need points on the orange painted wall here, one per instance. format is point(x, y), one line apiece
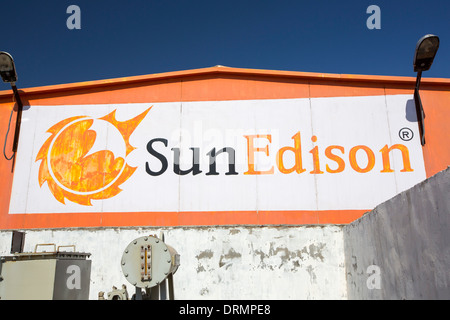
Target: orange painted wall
point(220, 83)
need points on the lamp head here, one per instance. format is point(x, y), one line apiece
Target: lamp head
point(426, 49)
point(7, 68)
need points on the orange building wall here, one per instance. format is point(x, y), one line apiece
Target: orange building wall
point(220, 83)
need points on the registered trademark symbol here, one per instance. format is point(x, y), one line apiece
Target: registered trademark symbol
point(406, 134)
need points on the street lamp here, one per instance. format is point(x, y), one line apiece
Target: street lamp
point(9, 74)
point(426, 49)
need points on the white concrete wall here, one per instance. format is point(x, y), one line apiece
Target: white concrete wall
point(230, 262)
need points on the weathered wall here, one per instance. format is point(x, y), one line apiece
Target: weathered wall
point(407, 240)
point(229, 262)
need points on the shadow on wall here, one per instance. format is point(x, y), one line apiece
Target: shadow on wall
point(410, 111)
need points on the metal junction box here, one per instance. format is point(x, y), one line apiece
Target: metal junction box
point(56, 275)
point(148, 261)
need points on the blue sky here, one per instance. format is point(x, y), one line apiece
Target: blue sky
point(136, 37)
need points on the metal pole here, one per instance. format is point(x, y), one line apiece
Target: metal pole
point(163, 290)
point(138, 295)
point(171, 292)
point(19, 116)
point(154, 293)
point(419, 109)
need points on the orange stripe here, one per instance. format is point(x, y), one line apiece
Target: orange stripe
point(184, 218)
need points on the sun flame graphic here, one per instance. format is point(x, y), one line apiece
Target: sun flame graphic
point(74, 174)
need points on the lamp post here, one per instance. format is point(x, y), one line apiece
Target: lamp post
point(9, 74)
point(426, 49)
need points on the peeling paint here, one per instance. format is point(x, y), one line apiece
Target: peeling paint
point(310, 270)
point(225, 259)
point(315, 251)
point(207, 254)
point(261, 255)
point(204, 291)
point(200, 268)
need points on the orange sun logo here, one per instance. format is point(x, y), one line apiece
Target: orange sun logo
point(73, 171)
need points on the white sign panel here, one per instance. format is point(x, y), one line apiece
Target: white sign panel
point(287, 154)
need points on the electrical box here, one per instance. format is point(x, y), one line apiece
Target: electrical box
point(55, 275)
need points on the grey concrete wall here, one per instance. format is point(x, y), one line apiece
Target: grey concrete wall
point(401, 249)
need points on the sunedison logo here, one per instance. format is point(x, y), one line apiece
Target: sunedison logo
point(69, 168)
point(74, 170)
point(335, 153)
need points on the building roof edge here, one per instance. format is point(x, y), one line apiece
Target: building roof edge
point(217, 70)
